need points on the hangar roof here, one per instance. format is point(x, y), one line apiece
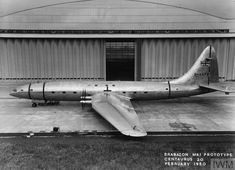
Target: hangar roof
point(117, 14)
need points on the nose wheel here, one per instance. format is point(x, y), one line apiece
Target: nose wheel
point(34, 104)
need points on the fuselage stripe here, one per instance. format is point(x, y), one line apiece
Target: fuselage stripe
point(169, 95)
point(29, 91)
point(43, 91)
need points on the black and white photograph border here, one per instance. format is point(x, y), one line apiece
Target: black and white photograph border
point(117, 84)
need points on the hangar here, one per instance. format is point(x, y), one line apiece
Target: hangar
point(113, 40)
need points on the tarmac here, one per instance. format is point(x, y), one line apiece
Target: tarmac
point(211, 113)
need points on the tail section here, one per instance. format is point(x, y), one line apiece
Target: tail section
point(204, 73)
point(204, 70)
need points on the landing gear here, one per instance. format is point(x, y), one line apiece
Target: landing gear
point(45, 103)
point(34, 104)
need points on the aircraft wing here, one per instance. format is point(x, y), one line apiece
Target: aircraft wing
point(217, 87)
point(118, 111)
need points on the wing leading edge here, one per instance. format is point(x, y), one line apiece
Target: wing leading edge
point(118, 111)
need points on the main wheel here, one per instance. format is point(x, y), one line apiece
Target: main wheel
point(34, 105)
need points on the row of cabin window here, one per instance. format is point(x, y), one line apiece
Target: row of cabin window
point(105, 85)
point(65, 92)
point(76, 92)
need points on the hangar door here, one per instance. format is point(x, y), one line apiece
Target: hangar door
point(51, 59)
point(120, 60)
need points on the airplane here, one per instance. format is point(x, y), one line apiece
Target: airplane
point(112, 99)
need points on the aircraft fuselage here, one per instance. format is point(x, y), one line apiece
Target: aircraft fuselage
point(79, 90)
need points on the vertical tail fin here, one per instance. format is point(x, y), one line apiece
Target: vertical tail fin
point(204, 70)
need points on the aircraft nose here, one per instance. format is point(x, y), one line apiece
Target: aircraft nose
point(20, 92)
point(14, 92)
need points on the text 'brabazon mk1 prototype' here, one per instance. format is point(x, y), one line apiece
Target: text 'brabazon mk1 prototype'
point(112, 99)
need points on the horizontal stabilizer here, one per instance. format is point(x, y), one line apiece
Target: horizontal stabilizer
point(217, 87)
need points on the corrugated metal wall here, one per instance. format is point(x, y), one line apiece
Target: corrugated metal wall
point(163, 59)
point(51, 59)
